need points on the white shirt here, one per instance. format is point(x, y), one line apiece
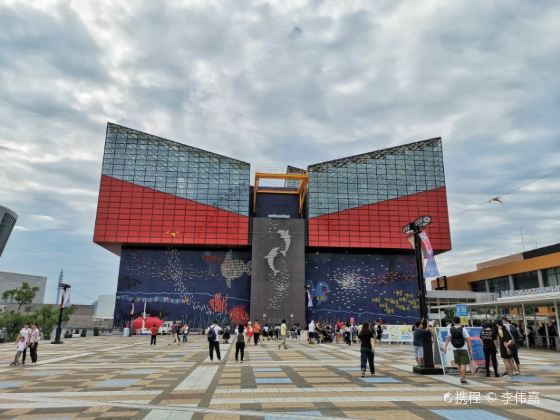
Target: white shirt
point(217, 329)
point(465, 336)
point(21, 346)
point(34, 336)
point(24, 332)
point(312, 327)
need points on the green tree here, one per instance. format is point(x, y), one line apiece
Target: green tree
point(47, 317)
point(23, 295)
point(13, 321)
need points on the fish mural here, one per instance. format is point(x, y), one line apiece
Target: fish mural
point(285, 235)
point(233, 269)
point(219, 303)
point(321, 292)
point(270, 259)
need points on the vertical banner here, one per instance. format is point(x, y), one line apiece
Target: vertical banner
point(430, 266)
point(66, 298)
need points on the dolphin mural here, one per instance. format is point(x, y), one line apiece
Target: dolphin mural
point(270, 258)
point(285, 235)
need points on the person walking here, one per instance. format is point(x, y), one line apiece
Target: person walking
point(213, 340)
point(256, 331)
point(34, 337)
point(379, 332)
point(506, 341)
point(240, 343)
point(173, 338)
point(367, 347)
point(21, 345)
point(24, 332)
point(517, 342)
point(347, 334)
point(283, 334)
point(489, 338)
point(226, 336)
point(153, 334)
point(459, 339)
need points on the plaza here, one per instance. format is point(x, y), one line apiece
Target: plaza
point(124, 377)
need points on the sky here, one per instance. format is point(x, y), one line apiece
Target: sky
point(277, 83)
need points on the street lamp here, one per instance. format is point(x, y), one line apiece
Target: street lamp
point(414, 229)
point(64, 287)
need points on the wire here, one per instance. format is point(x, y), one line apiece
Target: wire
point(508, 192)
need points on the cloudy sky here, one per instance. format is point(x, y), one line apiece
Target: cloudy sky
point(275, 83)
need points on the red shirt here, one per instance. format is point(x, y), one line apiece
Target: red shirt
point(154, 330)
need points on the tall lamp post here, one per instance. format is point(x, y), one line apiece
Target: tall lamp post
point(64, 287)
point(414, 229)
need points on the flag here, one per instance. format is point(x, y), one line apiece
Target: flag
point(131, 308)
point(309, 299)
point(430, 266)
point(66, 299)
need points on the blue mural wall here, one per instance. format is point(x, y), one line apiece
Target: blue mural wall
point(363, 286)
point(197, 286)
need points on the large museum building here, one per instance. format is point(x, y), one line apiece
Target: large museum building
point(198, 242)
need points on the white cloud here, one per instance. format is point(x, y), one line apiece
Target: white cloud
point(273, 83)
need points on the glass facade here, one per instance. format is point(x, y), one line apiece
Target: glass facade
point(364, 200)
point(499, 284)
point(478, 286)
point(177, 169)
point(7, 222)
point(374, 177)
point(527, 280)
point(155, 191)
point(551, 277)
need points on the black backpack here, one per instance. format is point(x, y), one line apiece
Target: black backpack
point(457, 339)
point(211, 334)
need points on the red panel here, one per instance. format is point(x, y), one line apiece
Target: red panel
point(131, 214)
point(379, 225)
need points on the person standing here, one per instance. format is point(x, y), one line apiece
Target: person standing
point(226, 336)
point(20, 348)
point(34, 337)
point(249, 332)
point(506, 341)
point(283, 334)
point(185, 332)
point(24, 332)
point(379, 332)
point(173, 333)
point(420, 331)
point(240, 343)
point(489, 337)
point(312, 331)
point(153, 333)
point(459, 339)
point(256, 331)
point(517, 342)
point(347, 334)
point(213, 340)
point(367, 347)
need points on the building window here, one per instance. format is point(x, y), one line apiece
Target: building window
point(499, 284)
point(478, 286)
point(551, 277)
point(527, 280)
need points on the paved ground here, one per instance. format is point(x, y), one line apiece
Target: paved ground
point(121, 377)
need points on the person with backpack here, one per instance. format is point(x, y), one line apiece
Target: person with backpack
point(489, 338)
point(458, 336)
point(213, 340)
point(240, 343)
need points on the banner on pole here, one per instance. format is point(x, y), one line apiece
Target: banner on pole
point(430, 266)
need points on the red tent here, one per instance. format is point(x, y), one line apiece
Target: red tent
point(150, 321)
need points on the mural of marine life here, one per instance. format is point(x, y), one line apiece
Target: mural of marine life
point(233, 269)
point(285, 235)
point(270, 259)
point(218, 303)
point(238, 315)
point(321, 292)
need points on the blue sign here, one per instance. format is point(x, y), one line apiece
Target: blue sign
point(461, 310)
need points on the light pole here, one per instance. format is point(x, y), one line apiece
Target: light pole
point(414, 229)
point(64, 287)
point(132, 302)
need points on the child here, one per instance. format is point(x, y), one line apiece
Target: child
point(20, 346)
